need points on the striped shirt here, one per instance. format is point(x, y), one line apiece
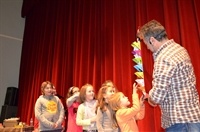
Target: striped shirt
point(174, 85)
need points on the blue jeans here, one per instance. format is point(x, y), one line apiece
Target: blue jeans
point(184, 127)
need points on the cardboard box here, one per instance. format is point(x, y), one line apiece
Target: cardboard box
point(10, 123)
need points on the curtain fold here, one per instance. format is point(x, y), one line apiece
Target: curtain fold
point(73, 42)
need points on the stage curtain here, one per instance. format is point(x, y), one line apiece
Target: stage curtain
point(73, 42)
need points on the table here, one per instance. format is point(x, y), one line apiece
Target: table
point(14, 129)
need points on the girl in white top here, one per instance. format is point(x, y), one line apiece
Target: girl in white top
point(86, 114)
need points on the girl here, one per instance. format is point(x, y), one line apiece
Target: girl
point(73, 102)
point(104, 119)
point(126, 117)
point(109, 83)
point(86, 116)
point(49, 110)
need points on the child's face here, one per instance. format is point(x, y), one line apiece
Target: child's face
point(124, 101)
point(110, 91)
point(48, 90)
point(89, 95)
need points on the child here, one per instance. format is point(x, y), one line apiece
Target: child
point(86, 116)
point(126, 117)
point(73, 102)
point(36, 122)
point(104, 119)
point(109, 83)
point(49, 110)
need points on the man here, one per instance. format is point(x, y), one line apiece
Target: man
point(174, 81)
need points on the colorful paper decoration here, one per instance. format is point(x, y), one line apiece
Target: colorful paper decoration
point(137, 59)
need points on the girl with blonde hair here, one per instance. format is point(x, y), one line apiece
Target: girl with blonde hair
point(124, 116)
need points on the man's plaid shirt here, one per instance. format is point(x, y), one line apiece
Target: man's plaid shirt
point(174, 85)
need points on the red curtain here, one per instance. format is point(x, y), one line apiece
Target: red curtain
point(73, 42)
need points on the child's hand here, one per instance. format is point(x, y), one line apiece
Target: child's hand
point(93, 119)
point(135, 88)
point(55, 125)
point(76, 94)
